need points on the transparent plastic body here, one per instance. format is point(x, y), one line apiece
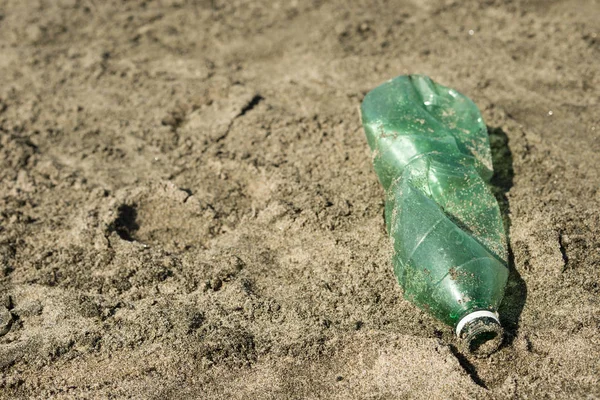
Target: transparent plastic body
point(431, 153)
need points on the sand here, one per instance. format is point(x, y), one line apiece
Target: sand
point(188, 208)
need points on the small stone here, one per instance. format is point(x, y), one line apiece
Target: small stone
point(34, 33)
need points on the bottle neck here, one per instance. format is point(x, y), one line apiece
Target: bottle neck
point(480, 332)
point(474, 315)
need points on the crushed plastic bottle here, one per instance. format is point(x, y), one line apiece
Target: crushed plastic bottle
point(431, 153)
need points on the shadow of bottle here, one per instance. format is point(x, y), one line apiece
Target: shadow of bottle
point(516, 290)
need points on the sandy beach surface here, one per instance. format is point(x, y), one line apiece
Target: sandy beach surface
point(188, 208)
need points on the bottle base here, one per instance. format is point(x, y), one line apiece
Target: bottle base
point(480, 333)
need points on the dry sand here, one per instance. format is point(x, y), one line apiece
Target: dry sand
point(188, 209)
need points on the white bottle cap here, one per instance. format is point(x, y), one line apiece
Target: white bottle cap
point(475, 315)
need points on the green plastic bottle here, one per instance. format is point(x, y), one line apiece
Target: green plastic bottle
point(431, 152)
